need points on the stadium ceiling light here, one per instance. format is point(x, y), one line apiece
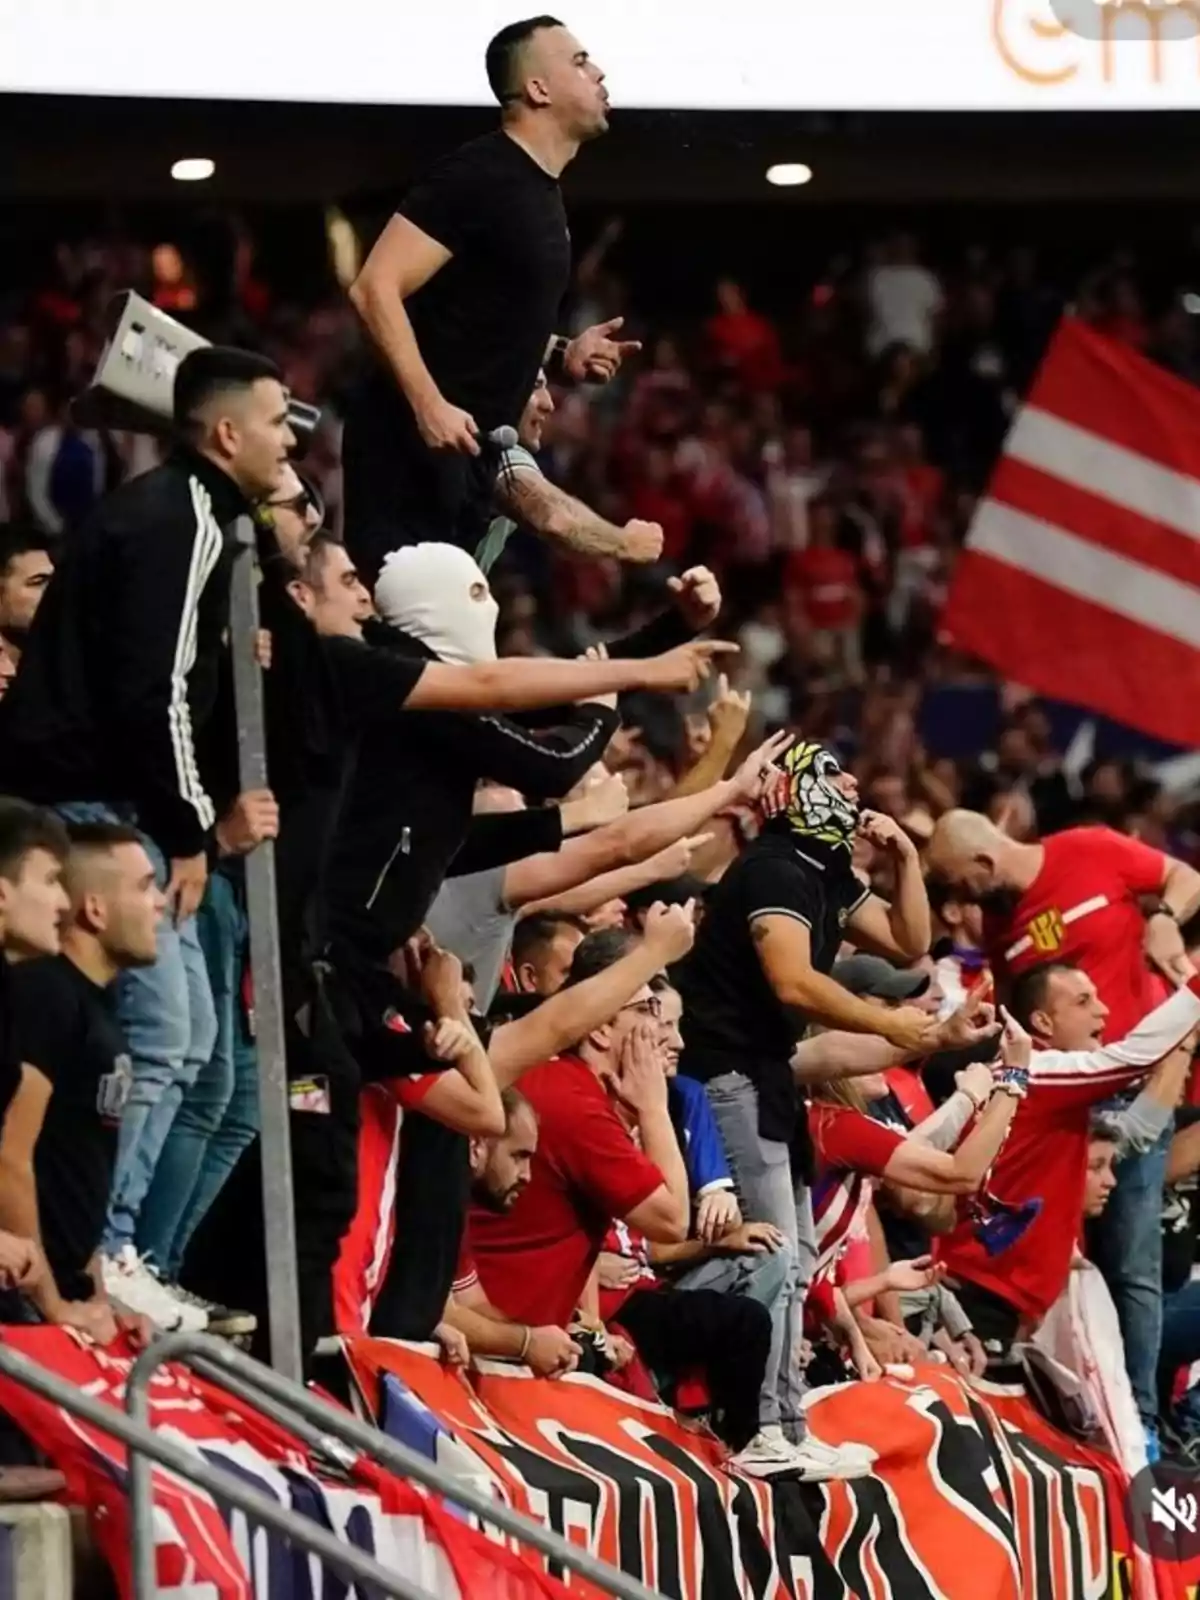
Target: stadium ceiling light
point(193, 169)
point(789, 174)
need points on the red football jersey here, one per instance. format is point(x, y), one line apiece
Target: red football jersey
point(1082, 907)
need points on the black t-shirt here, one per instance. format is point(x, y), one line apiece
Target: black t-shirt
point(732, 1021)
point(483, 321)
point(66, 1027)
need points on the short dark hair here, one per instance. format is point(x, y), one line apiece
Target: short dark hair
point(1103, 1128)
point(101, 835)
point(216, 369)
point(18, 539)
point(597, 952)
point(314, 553)
point(24, 828)
point(512, 1100)
point(533, 934)
point(502, 59)
point(1028, 990)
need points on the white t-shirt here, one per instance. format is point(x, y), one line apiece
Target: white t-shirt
point(903, 301)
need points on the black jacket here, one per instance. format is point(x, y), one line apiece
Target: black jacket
point(409, 808)
point(121, 667)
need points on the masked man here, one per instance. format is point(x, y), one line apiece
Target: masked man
point(759, 975)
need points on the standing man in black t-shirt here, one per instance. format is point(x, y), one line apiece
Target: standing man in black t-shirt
point(757, 976)
point(460, 296)
point(60, 1135)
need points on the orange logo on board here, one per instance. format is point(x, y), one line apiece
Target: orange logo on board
point(1048, 931)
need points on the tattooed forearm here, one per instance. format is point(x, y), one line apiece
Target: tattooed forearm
point(543, 507)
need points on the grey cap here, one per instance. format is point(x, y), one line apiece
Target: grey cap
point(876, 979)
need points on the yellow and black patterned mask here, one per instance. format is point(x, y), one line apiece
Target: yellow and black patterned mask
point(816, 809)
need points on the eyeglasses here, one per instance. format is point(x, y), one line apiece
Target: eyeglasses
point(309, 498)
point(646, 1008)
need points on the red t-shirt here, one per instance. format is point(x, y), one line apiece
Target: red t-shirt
point(1082, 907)
point(851, 1148)
point(827, 582)
point(534, 1262)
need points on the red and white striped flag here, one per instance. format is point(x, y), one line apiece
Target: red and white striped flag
point(1081, 572)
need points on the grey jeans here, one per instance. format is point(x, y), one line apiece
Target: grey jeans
point(762, 1170)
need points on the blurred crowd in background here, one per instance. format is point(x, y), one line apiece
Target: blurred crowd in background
point(824, 460)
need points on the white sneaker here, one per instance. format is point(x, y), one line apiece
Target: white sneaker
point(132, 1282)
point(769, 1455)
point(821, 1462)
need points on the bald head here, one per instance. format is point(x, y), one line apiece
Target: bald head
point(970, 852)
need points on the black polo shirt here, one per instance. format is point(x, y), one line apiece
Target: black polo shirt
point(732, 1021)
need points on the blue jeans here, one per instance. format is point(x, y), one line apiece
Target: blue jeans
point(759, 1277)
point(1180, 1347)
point(166, 1013)
point(762, 1170)
point(218, 1116)
point(1127, 1247)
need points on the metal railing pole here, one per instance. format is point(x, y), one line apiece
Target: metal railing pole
point(219, 1358)
point(279, 1219)
point(141, 1440)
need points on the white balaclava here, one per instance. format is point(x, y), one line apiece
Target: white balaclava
point(437, 593)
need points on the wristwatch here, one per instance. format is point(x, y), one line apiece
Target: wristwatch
point(555, 362)
point(1162, 909)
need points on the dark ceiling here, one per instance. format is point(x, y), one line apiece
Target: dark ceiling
point(119, 150)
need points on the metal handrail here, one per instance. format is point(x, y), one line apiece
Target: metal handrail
point(145, 1446)
point(287, 1401)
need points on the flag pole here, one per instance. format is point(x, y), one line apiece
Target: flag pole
point(279, 1221)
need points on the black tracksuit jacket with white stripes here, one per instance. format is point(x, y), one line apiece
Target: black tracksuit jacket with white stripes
point(120, 672)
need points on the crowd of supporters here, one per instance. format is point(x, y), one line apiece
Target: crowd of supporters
point(642, 998)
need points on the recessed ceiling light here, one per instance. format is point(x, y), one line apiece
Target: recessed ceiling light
point(789, 174)
point(194, 169)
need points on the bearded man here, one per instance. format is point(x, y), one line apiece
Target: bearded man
point(758, 976)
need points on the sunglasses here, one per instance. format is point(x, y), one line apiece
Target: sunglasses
point(308, 499)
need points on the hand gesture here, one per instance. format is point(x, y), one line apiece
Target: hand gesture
point(552, 1352)
point(976, 1082)
point(616, 1272)
point(758, 772)
point(643, 541)
point(697, 596)
point(596, 354)
point(684, 669)
point(642, 1084)
point(22, 1264)
point(1165, 950)
point(447, 427)
point(910, 1277)
point(717, 1215)
point(676, 859)
point(450, 1039)
point(1016, 1047)
point(439, 979)
point(969, 1025)
point(605, 800)
point(728, 714)
point(253, 817)
point(455, 1350)
point(909, 1029)
point(752, 1239)
point(670, 931)
point(885, 833)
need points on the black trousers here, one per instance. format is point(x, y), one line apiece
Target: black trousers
point(725, 1335)
point(993, 1319)
point(399, 492)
